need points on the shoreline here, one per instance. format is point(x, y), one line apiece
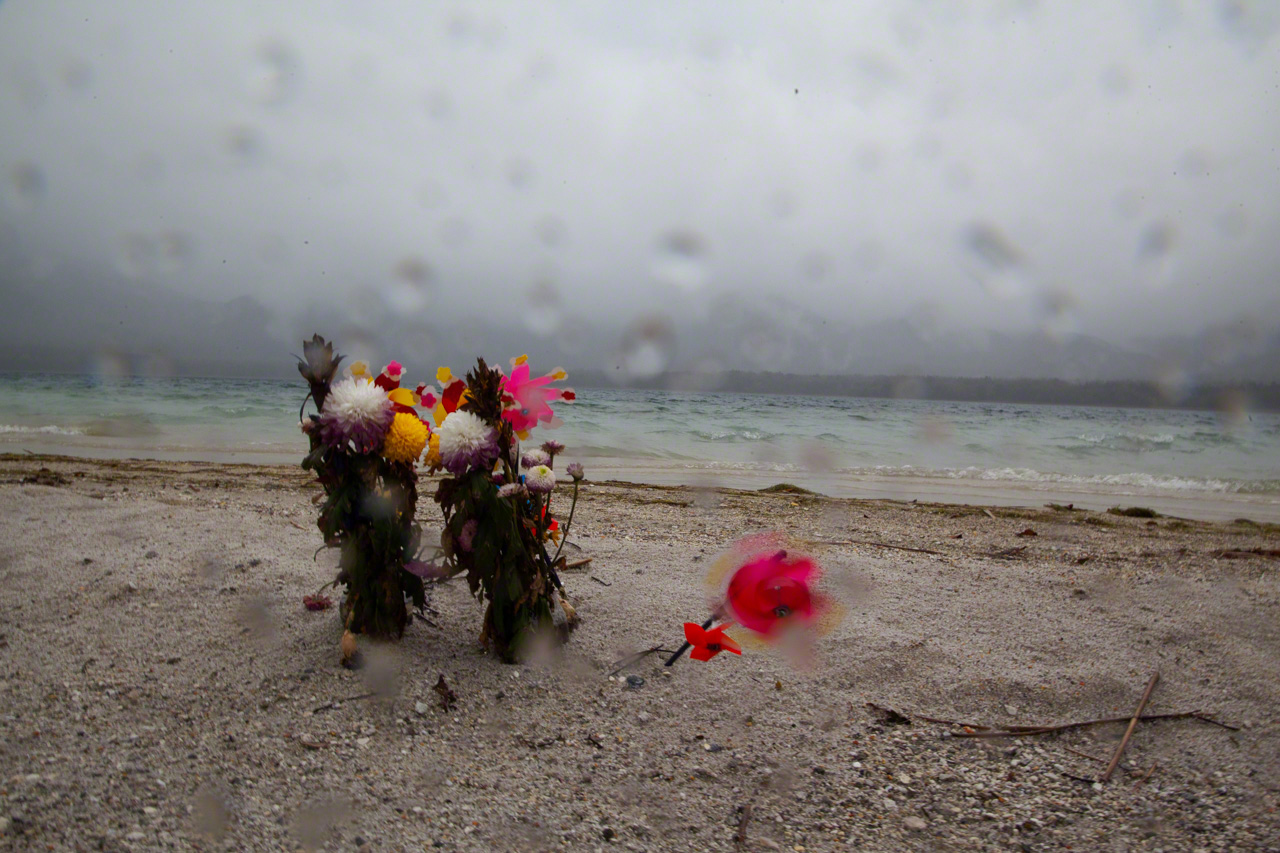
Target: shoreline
point(958, 491)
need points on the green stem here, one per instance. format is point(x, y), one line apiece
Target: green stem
point(564, 537)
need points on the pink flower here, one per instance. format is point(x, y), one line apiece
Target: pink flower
point(772, 589)
point(525, 399)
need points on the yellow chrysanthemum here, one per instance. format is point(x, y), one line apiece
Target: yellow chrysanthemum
point(433, 459)
point(406, 438)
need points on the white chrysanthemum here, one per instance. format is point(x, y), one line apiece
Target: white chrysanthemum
point(355, 411)
point(466, 442)
point(533, 458)
point(540, 478)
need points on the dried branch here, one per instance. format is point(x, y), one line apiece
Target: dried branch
point(1133, 724)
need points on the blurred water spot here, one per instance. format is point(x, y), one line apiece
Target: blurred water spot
point(646, 347)
point(275, 73)
point(256, 619)
point(28, 182)
point(77, 75)
point(1173, 383)
point(410, 285)
point(1057, 310)
point(933, 430)
point(519, 172)
point(679, 259)
point(1252, 23)
point(174, 250)
point(1000, 261)
point(1115, 80)
point(1155, 253)
point(550, 229)
point(1233, 408)
point(157, 365)
point(108, 365)
point(1195, 163)
point(381, 670)
point(815, 265)
point(439, 104)
point(909, 388)
point(455, 232)
point(925, 320)
point(816, 455)
point(211, 813)
point(543, 308)
point(244, 143)
point(314, 822)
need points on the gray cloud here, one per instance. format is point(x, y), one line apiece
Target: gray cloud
point(1108, 169)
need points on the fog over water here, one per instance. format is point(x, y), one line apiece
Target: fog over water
point(1084, 191)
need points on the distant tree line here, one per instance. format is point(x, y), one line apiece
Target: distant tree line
point(1135, 393)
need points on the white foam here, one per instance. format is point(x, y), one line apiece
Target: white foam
point(48, 429)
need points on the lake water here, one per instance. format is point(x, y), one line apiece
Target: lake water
point(1196, 464)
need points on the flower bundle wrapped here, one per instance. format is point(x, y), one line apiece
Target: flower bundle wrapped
point(498, 521)
point(366, 438)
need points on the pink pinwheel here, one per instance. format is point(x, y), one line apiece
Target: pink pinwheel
point(525, 399)
point(773, 589)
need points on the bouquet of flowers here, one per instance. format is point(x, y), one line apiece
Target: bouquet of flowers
point(366, 437)
point(497, 501)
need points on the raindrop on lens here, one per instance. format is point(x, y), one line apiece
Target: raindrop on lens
point(407, 293)
point(244, 143)
point(274, 76)
point(1156, 247)
point(680, 260)
point(646, 347)
point(519, 172)
point(137, 255)
point(543, 308)
point(1000, 261)
point(28, 183)
point(550, 230)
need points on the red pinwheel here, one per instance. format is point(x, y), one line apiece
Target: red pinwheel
point(707, 644)
point(773, 589)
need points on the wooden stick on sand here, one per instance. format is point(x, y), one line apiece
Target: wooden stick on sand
point(1133, 724)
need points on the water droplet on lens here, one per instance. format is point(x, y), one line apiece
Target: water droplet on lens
point(1001, 262)
point(1057, 308)
point(28, 183)
point(275, 74)
point(1173, 383)
point(815, 265)
point(244, 143)
point(1156, 247)
point(680, 261)
point(646, 347)
point(543, 308)
point(519, 172)
point(1115, 80)
point(439, 104)
point(455, 232)
point(550, 230)
point(408, 291)
point(174, 251)
point(211, 813)
point(77, 75)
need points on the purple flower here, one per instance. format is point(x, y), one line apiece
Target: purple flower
point(540, 479)
point(534, 458)
point(512, 490)
point(574, 470)
point(552, 447)
point(357, 413)
point(467, 443)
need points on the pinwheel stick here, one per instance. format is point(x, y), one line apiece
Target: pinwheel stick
point(679, 653)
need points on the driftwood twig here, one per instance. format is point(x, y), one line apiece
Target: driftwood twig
point(1133, 724)
point(1025, 731)
point(894, 547)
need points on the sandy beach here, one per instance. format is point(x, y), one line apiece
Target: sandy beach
point(164, 687)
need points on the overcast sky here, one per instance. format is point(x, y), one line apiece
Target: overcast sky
point(1107, 167)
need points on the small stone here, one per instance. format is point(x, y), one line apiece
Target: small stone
point(609, 834)
point(1011, 710)
point(362, 742)
point(635, 682)
point(916, 824)
point(421, 707)
point(904, 778)
point(151, 555)
point(644, 717)
point(150, 811)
